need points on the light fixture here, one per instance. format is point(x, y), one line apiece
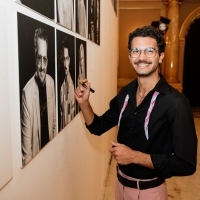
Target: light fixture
point(161, 25)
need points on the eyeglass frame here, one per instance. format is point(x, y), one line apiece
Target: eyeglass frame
point(40, 58)
point(156, 51)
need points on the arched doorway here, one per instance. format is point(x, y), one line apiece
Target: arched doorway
point(191, 70)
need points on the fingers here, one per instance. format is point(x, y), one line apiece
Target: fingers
point(111, 150)
point(82, 92)
point(83, 87)
point(116, 144)
point(79, 91)
point(85, 84)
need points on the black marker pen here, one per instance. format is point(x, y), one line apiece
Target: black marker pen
point(85, 86)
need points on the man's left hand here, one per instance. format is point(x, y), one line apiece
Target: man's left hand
point(123, 154)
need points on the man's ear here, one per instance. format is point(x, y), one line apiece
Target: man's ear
point(129, 58)
point(161, 57)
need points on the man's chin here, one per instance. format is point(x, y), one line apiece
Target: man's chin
point(143, 74)
point(42, 81)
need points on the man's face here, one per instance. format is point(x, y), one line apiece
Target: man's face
point(144, 65)
point(41, 61)
point(66, 60)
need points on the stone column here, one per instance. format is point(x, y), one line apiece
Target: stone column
point(172, 43)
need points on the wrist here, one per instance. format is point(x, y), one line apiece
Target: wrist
point(84, 105)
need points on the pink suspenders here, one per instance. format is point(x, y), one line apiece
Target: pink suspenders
point(123, 108)
point(146, 122)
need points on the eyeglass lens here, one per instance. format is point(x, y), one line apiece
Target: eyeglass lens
point(40, 59)
point(149, 52)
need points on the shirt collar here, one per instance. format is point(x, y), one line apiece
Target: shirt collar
point(162, 86)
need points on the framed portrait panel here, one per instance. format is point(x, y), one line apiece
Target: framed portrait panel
point(44, 7)
point(65, 13)
point(81, 63)
point(65, 78)
point(81, 17)
point(115, 5)
point(94, 21)
point(36, 51)
point(6, 172)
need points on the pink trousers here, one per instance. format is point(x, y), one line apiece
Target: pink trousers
point(127, 193)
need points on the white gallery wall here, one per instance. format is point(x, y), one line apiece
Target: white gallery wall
point(74, 164)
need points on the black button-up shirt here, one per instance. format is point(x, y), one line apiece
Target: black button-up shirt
point(172, 141)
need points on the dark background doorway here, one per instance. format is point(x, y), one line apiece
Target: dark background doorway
point(191, 71)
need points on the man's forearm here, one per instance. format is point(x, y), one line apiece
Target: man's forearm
point(87, 112)
point(142, 159)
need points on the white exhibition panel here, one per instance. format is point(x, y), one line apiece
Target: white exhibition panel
point(5, 133)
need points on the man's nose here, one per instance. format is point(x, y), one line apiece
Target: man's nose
point(142, 55)
point(43, 63)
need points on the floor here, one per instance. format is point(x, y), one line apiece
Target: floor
point(179, 188)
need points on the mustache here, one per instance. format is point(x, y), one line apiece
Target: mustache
point(142, 61)
point(42, 70)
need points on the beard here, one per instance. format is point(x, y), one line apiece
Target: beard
point(145, 74)
point(41, 77)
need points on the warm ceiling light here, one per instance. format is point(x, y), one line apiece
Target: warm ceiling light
point(161, 25)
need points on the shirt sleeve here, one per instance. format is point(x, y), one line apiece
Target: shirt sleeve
point(109, 119)
point(183, 160)
point(26, 130)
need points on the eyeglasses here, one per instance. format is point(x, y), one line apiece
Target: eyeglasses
point(150, 52)
point(40, 59)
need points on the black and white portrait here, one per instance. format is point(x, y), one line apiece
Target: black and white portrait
point(44, 7)
point(94, 21)
point(81, 62)
point(65, 78)
point(114, 3)
point(81, 17)
point(65, 13)
point(36, 47)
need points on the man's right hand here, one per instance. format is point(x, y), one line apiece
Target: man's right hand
point(82, 93)
point(82, 96)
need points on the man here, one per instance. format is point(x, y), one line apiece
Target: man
point(81, 18)
point(82, 74)
point(67, 99)
point(38, 117)
point(91, 21)
point(156, 138)
point(81, 67)
point(98, 23)
point(66, 13)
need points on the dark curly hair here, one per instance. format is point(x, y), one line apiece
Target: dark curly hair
point(148, 31)
point(66, 42)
